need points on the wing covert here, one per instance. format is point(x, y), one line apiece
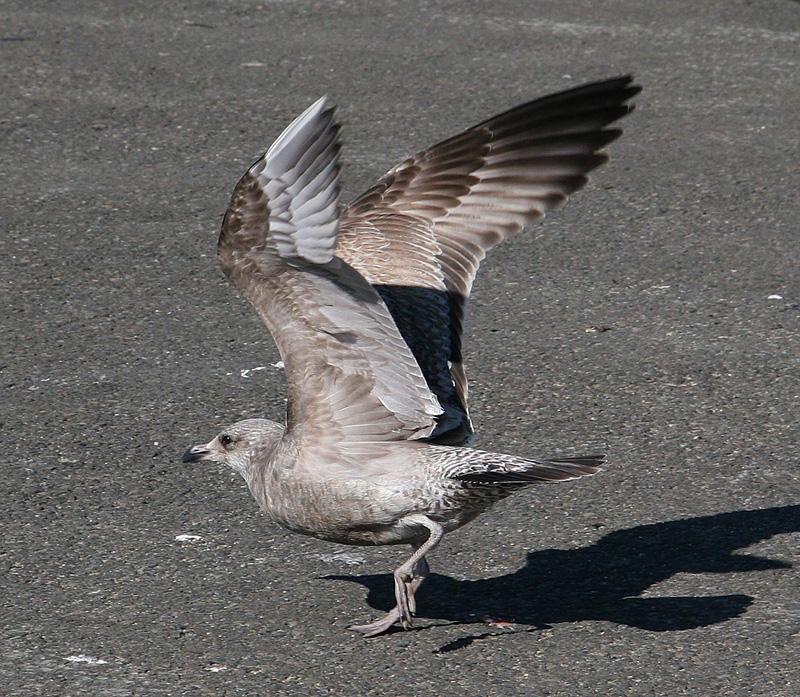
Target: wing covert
point(457, 200)
point(350, 374)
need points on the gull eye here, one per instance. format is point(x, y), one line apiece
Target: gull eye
point(225, 440)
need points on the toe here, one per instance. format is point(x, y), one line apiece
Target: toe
point(379, 626)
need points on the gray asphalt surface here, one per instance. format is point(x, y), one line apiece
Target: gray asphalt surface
point(656, 316)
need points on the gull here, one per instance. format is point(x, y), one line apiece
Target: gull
point(367, 308)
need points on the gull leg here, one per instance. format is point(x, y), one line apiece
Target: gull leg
point(421, 570)
point(408, 577)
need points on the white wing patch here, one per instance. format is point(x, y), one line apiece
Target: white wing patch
point(299, 175)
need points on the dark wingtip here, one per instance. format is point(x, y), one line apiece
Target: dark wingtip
point(557, 470)
point(587, 460)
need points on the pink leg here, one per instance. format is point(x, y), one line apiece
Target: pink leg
point(408, 577)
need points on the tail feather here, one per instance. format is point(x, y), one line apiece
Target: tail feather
point(527, 471)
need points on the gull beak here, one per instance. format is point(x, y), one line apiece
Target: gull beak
point(196, 453)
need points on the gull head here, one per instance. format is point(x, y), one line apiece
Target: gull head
point(239, 444)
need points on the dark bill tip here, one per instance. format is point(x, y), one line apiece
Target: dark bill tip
point(195, 453)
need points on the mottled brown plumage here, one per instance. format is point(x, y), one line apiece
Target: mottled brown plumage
point(367, 309)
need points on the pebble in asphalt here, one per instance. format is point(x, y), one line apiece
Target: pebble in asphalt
point(656, 316)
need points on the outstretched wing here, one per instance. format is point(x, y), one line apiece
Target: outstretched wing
point(351, 378)
point(419, 235)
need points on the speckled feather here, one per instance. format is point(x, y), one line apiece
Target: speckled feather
point(429, 221)
point(367, 311)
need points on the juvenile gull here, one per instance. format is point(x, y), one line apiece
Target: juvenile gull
point(367, 309)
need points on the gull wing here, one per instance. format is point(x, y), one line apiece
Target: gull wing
point(351, 377)
point(420, 233)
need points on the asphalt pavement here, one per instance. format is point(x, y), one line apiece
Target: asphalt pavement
point(655, 317)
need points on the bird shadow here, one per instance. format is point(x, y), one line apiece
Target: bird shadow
point(605, 580)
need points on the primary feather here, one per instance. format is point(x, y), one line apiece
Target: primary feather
point(367, 309)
